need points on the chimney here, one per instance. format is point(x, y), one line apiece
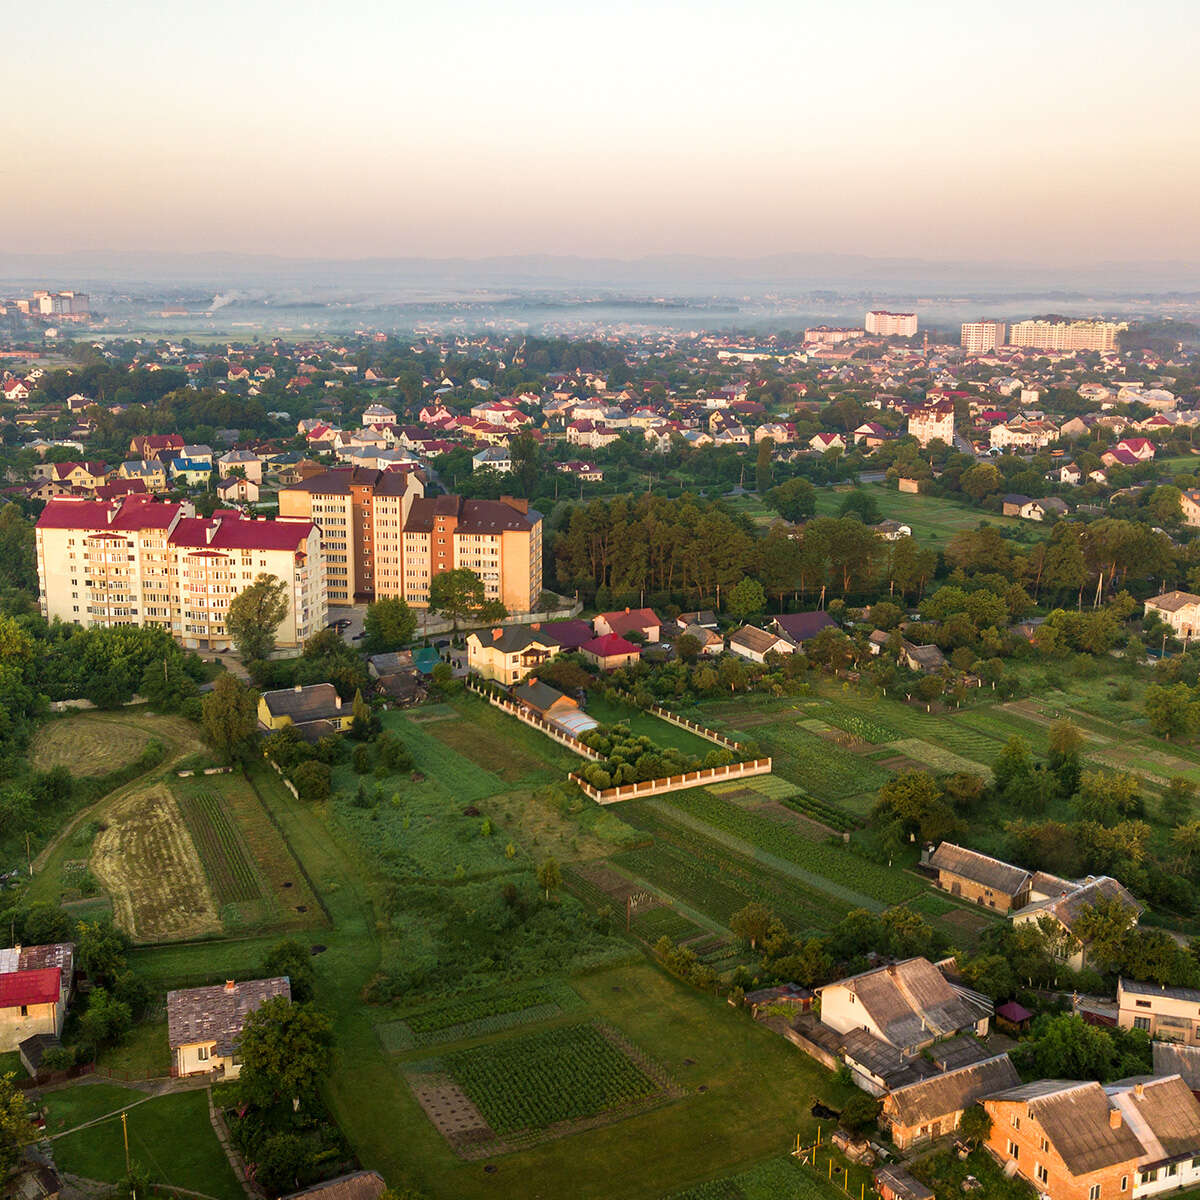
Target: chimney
point(1114, 1118)
point(536, 626)
point(337, 702)
point(627, 608)
point(210, 530)
point(496, 634)
point(1139, 1090)
point(230, 987)
point(522, 506)
point(531, 680)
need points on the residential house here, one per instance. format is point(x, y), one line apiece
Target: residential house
point(204, 1024)
point(35, 988)
point(163, 446)
point(872, 435)
point(508, 653)
point(570, 635)
point(633, 620)
point(149, 470)
point(755, 644)
point(886, 1016)
point(1066, 908)
point(711, 642)
point(591, 434)
point(929, 660)
point(378, 414)
point(1168, 1014)
point(980, 878)
point(923, 1111)
point(235, 490)
point(933, 422)
point(891, 531)
point(824, 442)
point(610, 651)
point(1076, 1140)
point(1012, 503)
point(359, 1185)
point(585, 472)
point(1041, 510)
point(190, 472)
point(1070, 473)
point(553, 706)
point(87, 476)
point(1022, 434)
point(799, 627)
point(198, 453)
point(1189, 505)
point(1172, 1058)
point(246, 460)
point(314, 709)
point(1179, 610)
point(492, 458)
point(1141, 448)
point(895, 1183)
point(705, 618)
point(1119, 457)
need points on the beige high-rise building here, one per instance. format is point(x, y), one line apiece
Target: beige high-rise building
point(978, 337)
point(383, 537)
point(137, 561)
point(889, 324)
point(1066, 336)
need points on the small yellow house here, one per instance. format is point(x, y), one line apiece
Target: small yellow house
point(35, 987)
point(204, 1024)
point(304, 706)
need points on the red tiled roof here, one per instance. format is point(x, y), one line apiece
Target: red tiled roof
point(30, 987)
point(134, 513)
point(609, 646)
point(241, 534)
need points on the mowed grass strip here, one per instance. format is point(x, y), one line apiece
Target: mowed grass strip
point(226, 863)
point(541, 1079)
point(147, 862)
point(87, 745)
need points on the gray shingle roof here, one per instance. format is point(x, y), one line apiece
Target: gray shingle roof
point(980, 868)
point(217, 1014)
point(951, 1092)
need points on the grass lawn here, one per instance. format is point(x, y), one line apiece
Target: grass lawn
point(171, 1135)
point(931, 518)
point(71, 1106)
point(142, 1054)
point(611, 712)
point(10, 1064)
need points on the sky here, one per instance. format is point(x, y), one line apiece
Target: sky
point(1061, 131)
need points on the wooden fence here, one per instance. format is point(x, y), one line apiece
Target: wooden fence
point(673, 783)
point(532, 719)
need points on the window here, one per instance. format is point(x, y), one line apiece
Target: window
point(1045, 1143)
point(1172, 1169)
point(1016, 1121)
point(24, 1010)
point(1042, 1174)
point(1142, 1023)
point(1014, 1151)
point(1141, 1003)
point(202, 1054)
point(1124, 1183)
point(1094, 1194)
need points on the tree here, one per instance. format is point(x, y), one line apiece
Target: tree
point(751, 923)
point(16, 1129)
point(687, 647)
point(1177, 801)
point(291, 959)
point(285, 1050)
point(862, 504)
point(746, 598)
point(1066, 745)
point(525, 455)
point(975, 1124)
point(229, 714)
point(794, 499)
point(456, 594)
point(981, 480)
point(549, 877)
point(254, 615)
point(859, 1113)
point(916, 803)
point(1171, 709)
point(389, 624)
point(107, 1019)
point(312, 781)
point(762, 466)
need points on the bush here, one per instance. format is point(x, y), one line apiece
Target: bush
point(312, 780)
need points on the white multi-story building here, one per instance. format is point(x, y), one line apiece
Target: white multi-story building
point(934, 422)
point(978, 337)
point(889, 324)
point(1065, 335)
point(136, 561)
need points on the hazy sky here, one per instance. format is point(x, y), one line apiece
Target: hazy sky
point(1062, 129)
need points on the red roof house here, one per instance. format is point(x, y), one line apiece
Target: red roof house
point(633, 620)
point(610, 652)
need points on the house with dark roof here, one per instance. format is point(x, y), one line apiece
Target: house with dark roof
point(304, 706)
point(204, 1024)
point(1066, 909)
point(895, 1183)
point(1168, 1014)
point(802, 626)
point(923, 1111)
point(359, 1185)
point(705, 618)
point(929, 660)
point(1078, 1140)
point(1170, 1058)
point(979, 877)
point(509, 652)
point(553, 706)
point(570, 635)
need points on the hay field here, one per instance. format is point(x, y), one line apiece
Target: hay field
point(148, 864)
point(89, 744)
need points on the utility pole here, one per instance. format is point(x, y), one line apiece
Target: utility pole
point(125, 1132)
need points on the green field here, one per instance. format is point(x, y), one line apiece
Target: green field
point(610, 711)
point(170, 1135)
point(931, 518)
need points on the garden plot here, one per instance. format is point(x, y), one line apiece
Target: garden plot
point(148, 863)
point(477, 1015)
point(228, 867)
point(508, 1095)
point(504, 756)
point(938, 758)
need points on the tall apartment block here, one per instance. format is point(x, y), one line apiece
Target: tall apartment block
point(978, 337)
point(1065, 336)
point(384, 537)
point(137, 561)
point(890, 324)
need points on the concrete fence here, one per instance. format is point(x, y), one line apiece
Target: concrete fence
point(287, 783)
point(431, 625)
point(533, 720)
point(671, 718)
point(673, 783)
point(206, 771)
